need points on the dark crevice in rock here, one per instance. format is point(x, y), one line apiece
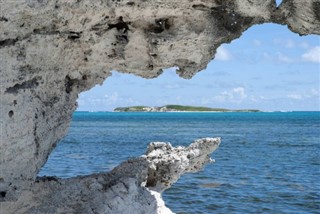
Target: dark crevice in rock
point(100, 27)
point(130, 3)
point(3, 19)
point(50, 101)
point(121, 25)
point(2, 197)
point(69, 34)
point(45, 31)
point(84, 77)
point(200, 7)
point(103, 26)
point(160, 25)
point(68, 84)
point(47, 179)
point(71, 83)
point(25, 85)
point(3, 194)
point(7, 42)
point(36, 138)
point(73, 35)
point(122, 38)
point(42, 31)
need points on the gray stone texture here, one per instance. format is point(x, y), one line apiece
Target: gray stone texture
point(51, 50)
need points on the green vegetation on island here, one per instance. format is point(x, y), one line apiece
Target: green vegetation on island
point(178, 108)
point(131, 108)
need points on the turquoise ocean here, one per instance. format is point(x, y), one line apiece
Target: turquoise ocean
point(268, 162)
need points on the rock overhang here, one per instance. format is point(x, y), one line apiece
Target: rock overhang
point(51, 50)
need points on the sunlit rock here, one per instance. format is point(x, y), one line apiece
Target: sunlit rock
point(52, 50)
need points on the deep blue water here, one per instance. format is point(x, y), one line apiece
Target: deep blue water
point(266, 163)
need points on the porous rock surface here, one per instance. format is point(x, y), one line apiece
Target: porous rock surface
point(132, 187)
point(51, 50)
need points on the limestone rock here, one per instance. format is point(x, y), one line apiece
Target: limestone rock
point(169, 163)
point(52, 50)
point(126, 189)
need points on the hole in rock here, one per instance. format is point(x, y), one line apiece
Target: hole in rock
point(278, 2)
point(268, 68)
point(10, 113)
point(3, 194)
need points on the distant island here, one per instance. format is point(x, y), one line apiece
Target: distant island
point(178, 108)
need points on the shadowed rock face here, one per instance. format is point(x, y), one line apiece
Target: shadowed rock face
point(51, 50)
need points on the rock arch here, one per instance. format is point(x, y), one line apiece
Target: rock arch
point(51, 50)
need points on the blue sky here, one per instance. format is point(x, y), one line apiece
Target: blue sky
point(268, 68)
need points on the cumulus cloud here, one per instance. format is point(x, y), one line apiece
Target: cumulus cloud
point(112, 98)
point(223, 54)
point(312, 55)
point(313, 93)
point(235, 95)
point(104, 102)
point(278, 57)
point(287, 43)
point(295, 96)
point(283, 58)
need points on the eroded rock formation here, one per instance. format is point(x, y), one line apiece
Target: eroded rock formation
point(134, 185)
point(51, 50)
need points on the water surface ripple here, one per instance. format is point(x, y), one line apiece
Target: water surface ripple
point(266, 163)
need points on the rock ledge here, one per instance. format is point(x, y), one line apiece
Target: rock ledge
point(134, 186)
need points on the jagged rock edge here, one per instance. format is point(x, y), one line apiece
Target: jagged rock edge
point(50, 51)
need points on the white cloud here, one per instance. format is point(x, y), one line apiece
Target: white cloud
point(235, 95)
point(240, 91)
point(283, 58)
point(313, 55)
point(223, 54)
point(111, 99)
point(287, 43)
point(277, 58)
point(313, 93)
point(295, 96)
